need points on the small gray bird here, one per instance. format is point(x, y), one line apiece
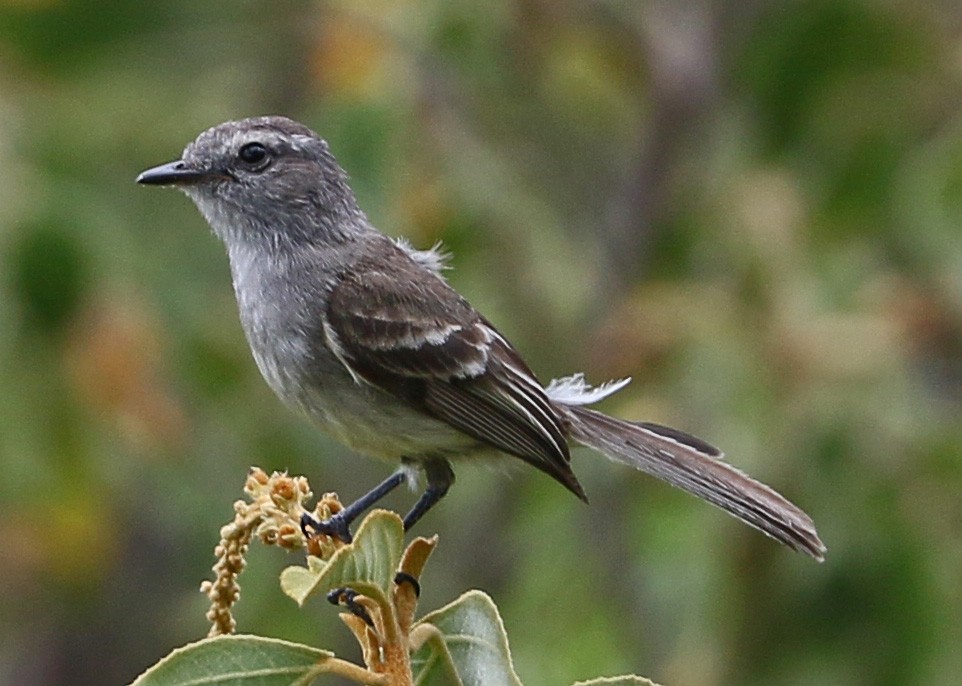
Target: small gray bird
point(363, 335)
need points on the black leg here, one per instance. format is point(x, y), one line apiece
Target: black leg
point(440, 477)
point(339, 524)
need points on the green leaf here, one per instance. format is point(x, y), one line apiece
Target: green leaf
point(463, 643)
point(617, 681)
point(367, 565)
point(243, 660)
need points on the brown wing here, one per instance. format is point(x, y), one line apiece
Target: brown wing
point(402, 328)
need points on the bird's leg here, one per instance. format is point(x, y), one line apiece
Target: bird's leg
point(339, 524)
point(440, 477)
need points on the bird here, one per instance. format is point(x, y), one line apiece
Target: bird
point(364, 335)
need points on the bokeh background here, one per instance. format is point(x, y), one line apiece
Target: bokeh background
point(753, 208)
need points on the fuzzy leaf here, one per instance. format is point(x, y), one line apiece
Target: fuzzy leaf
point(239, 661)
point(367, 565)
point(465, 644)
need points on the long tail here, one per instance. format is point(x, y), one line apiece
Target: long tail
point(694, 466)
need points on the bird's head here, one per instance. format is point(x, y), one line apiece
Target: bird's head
point(264, 177)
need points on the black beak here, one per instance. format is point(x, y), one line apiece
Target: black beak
point(175, 173)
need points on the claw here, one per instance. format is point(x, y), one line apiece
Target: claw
point(346, 597)
point(335, 527)
point(405, 578)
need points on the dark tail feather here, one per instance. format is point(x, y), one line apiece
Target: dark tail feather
point(694, 466)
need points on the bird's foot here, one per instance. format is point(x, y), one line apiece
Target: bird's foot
point(335, 526)
point(346, 597)
point(405, 578)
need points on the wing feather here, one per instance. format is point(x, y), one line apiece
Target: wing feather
point(402, 328)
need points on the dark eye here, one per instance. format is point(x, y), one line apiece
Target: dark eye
point(253, 154)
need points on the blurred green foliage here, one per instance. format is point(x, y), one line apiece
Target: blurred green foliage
point(752, 208)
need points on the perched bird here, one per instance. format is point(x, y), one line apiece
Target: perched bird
point(364, 335)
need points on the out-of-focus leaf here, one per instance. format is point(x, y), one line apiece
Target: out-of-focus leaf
point(82, 30)
point(367, 565)
point(465, 644)
point(617, 681)
point(115, 360)
point(50, 276)
point(247, 660)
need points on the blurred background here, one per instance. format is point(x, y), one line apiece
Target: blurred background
point(753, 208)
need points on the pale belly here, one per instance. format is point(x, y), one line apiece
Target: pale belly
point(364, 418)
point(393, 434)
